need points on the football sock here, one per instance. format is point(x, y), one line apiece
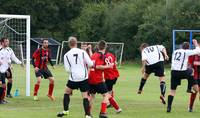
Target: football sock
point(142, 83)
point(170, 100)
point(86, 106)
point(9, 87)
point(163, 88)
point(189, 87)
point(51, 87)
point(114, 103)
point(36, 88)
point(1, 93)
point(103, 107)
point(66, 101)
point(192, 99)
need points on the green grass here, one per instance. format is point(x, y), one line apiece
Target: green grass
point(146, 105)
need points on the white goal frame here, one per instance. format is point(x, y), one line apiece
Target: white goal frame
point(109, 43)
point(28, 25)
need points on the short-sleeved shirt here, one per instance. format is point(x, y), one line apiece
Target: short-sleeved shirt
point(41, 57)
point(194, 61)
point(96, 75)
point(152, 54)
point(111, 73)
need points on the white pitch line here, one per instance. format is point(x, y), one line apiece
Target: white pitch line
point(30, 108)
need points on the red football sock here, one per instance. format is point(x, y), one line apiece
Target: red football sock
point(36, 88)
point(51, 87)
point(3, 94)
point(192, 98)
point(114, 103)
point(103, 107)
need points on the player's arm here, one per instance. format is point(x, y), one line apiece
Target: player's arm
point(103, 67)
point(35, 54)
point(87, 59)
point(66, 63)
point(50, 60)
point(90, 50)
point(15, 59)
point(195, 51)
point(144, 61)
point(164, 51)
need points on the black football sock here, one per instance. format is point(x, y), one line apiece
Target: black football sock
point(9, 87)
point(190, 82)
point(163, 88)
point(142, 83)
point(86, 106)
point(66, 101)
point(1, 91)
point(170, 100)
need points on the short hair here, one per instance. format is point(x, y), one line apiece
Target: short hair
point(143, 45)
point(102, 45)
point(72, 41)
point(3, 39)
point(45, 39)
point(185, 45)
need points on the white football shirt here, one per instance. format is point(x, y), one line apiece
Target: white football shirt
point(180, 58)
point(152, 54)
point(6, 57)
point(76, 62)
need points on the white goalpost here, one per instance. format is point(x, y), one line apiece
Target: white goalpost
point(114, 47)
point(17, 29)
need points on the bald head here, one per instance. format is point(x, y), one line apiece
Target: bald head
point(72, 42)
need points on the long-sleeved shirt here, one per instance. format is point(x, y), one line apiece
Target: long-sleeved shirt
point(6, 57)
point(180, 58)
point(76, 62)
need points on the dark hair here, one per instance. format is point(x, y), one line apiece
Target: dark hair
point(102, 45)
point(45, 39)
point(185, 45)
point(143, 45)
point(3, 39)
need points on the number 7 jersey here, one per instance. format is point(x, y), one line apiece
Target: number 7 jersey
point(180, 58)
point(76, 62)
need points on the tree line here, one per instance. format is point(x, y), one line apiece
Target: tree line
point(128, 21)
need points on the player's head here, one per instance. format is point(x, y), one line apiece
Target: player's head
point(84, 46)
point(102, 45)
point(45, 43)
point(72, 42)
point(185, 45)
point(143, 45)
point(4, 42)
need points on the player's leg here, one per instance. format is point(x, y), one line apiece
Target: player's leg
point(142, 82)
point(37, 85)
point(66, 100)
point(84, 88)
point(51, 88)
point(170, 99)
point(193, 97)
point(105, 100)
point(2, 88)
point(48, 75)
point(162, 89)
point(190, 79)
point(10, 83)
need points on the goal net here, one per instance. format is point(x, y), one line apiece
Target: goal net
point(17, 29)
point(113, 47)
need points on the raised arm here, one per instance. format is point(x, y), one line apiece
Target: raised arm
point(87, 59)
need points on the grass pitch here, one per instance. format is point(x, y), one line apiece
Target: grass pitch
point(146, 105)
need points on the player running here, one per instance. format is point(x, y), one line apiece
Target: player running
point(40, 59)
point(194, 63)
point(153, 62)
point(179, 69)
point(96, 81)
point(76, 62)
point(6, 57)
point(111, 75)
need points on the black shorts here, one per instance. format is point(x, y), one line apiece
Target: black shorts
point(46, 73)
point(2, 78)
point(110, 83)
point(157, 69)
point(177, 76)
point(196, 81)
point(82, 85)
point(98, 88)
point(8, 76)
